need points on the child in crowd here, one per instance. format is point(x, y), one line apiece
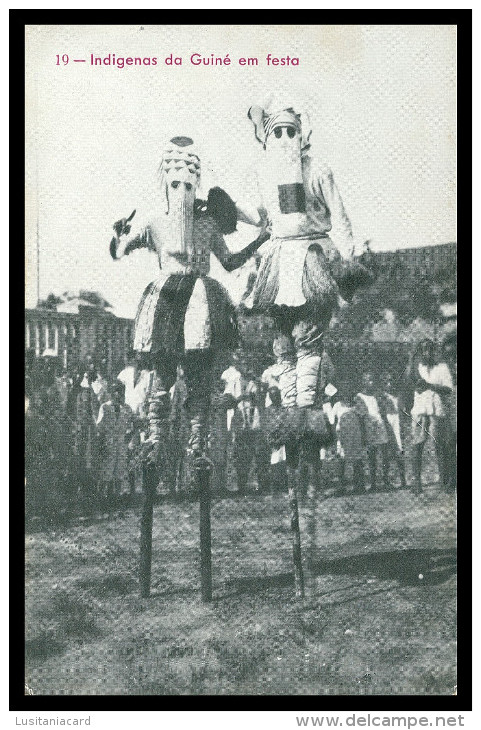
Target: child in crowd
point(374, 429)
point(177, 474)
point(137, 379)
point(115, 428)
point(249, 441)
point(389, 408)
point(232, 379)
point(330, 454)
point(350, 440)
point(219, 436)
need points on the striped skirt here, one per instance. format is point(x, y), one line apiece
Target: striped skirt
point(184, 312)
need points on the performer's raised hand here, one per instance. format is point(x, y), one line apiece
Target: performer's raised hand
point(122, 227)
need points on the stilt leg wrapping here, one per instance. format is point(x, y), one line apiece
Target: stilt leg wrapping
point(158, 431)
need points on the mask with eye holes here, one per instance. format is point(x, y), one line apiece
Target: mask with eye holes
point(179, 179)
point(283, 138)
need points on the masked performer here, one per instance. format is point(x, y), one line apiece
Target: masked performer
point(184, 317)
point(303, 276)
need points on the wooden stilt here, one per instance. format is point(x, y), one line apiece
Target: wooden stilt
point(202, 470)
point(312, 497)
point(296, 533)
point(149, 479)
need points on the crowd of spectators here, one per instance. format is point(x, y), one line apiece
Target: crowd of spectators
point(84, 431)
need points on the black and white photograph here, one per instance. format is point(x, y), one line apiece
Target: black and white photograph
point(241, 360)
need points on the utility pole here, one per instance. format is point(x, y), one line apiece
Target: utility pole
point(38, 250)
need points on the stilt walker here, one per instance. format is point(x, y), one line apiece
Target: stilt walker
point(303, 276)
point(184, 317)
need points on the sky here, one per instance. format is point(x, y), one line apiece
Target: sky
point(382, 105)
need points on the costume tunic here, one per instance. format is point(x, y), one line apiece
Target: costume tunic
point(184, 309)
point(287, 275)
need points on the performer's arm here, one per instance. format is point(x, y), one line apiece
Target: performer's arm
point(254, 216)
point(253, 213)
point(340, 220)
point(121, 245)
point(231, 261)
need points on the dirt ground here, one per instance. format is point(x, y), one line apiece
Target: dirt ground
point(379, 615)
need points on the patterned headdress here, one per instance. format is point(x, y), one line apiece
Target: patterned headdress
point(179, 162)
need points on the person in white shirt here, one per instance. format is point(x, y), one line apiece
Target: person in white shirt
point(232, 379)
point(374, 429)
point(137, 381)
point(433, 384)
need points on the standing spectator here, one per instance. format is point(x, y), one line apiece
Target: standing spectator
point(100, 387)
point(72, 395)
point(232, 379)
point(449, 354)
point(137, 381)
point(219, 436)
point(249, 442)
point(90, 369)
point(63, 384)
point(48, 448)
point(85, 448)
point(329, 453)
point(389, 407)
point(374, 429)
point(433, 386)
point(351, 444)
point(179, 474)
point(39, 457)
point(114, 427)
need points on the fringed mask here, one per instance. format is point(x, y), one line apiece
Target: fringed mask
point(284, 135)
point(179, 178)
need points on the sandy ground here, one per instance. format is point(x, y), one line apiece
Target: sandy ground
point(379, 615)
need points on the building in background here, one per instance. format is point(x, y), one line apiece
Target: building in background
point(427, 260)
point(80, 331)
point(74, 326)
